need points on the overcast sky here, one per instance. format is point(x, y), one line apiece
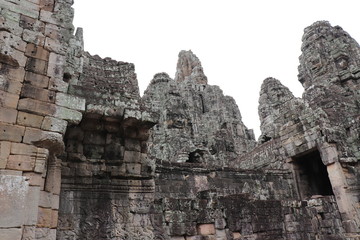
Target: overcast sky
point(239, 43)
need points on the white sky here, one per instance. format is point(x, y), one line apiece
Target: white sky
point(239, 42)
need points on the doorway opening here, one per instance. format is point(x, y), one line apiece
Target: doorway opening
point(311, 175)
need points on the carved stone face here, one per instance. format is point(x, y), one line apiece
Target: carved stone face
point(328, 53)
point(316, 65)
point(342, 62)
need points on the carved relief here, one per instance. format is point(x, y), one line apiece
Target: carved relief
point(342, 62)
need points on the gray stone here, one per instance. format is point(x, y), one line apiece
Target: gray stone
point(14, 213)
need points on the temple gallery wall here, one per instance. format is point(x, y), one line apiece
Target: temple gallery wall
point(83, 156)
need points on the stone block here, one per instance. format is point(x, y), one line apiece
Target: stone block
point(23, 7)
point(47, 17)
point(23, 149)
point(210, 237)
point(55, 201)
point(16, 74)
point(133, 168)
point(11, 234)
point(75, 150)
point(112, 127)
point(96, 138)
point(53, 180)
point(132, 157)
point(40, 166)
point(37, 80)
point(37, 52)
point(56, 66)
point(30, 91)
point(11, 133)
point(34, 37)
point(92, 124)
point(10, 172)
point(29, 120)
point(32, 202)
point(21, 162)
point(10, 25)
point(44, 217)
point(4, 153)
point(47, 5)
point(13, 193)
point(8, 115)
point(34, 179)
point(221, 235)
point(9, 100)
point(29, 232)
point(45, 199)
point(10, 15)
point(36, 106)
point(30, 4)
point(197, 237)
point(32, 24)
point(71, 102)
point(58, 85)
point(10, 86)
point(52, 31)
point(72, 116)
point(132, 145)
point(54, 125)
point(236, 235)
point(206, 229)
point(94, 151)
point(54, 218)
point(45, 234)
point(329, 153)
point(220, 223)
point(53, 45)
point(14, 87)
point(114, 151)
point(41, 159)
point(36, 66)
point(12, 57)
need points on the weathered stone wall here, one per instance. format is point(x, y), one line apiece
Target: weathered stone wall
point(243, 211)
point(47, 84)
point(107, 183)
point(80, 157)
point(35, 110)
point(191, 201)
point(107, 179)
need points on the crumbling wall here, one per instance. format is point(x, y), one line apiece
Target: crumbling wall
point(191, 201)
point(238, 205)
point(107, 179)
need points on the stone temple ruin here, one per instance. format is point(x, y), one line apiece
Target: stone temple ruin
point(83, 156)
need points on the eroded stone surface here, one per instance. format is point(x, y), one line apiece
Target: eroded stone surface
point(82, 156)
point(197, 122)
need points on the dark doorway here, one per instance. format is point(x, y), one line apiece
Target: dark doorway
point(311, 175)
